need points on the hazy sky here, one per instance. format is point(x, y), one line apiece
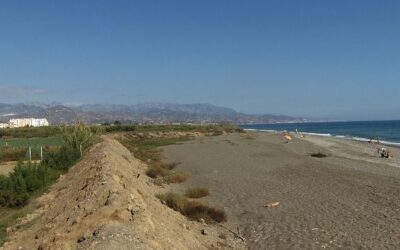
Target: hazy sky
point(338, 58)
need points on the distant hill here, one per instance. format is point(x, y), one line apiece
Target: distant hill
point(58, 113)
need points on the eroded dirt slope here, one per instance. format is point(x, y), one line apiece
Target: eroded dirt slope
point(107, 202)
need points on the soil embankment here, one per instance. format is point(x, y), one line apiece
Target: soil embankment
point(107, 202)
point(347, 200)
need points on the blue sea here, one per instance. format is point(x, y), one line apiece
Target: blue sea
point(386, 132)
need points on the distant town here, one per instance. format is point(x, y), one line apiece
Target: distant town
point(25, 122)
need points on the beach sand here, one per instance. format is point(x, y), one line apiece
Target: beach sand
point(348, 200)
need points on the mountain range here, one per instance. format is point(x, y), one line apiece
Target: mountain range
point(58, 113)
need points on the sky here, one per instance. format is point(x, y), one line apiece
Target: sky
point(336, 59)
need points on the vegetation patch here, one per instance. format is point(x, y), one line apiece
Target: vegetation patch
point(176, 177)
point(197, 192)
point(147, 150)
point(165, 170)
point(30, 179)
point(157, 171)
point(170, 166)
point(194, 210)
point(17, 149)
point(319, 155)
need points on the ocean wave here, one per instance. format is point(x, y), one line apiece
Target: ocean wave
point(317, 134)
point(388, 143)
point(262, 130)
point(362, 139)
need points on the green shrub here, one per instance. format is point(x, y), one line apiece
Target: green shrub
point(62, 159)
point(78, 136)
point(25, 180)
point(28, 179)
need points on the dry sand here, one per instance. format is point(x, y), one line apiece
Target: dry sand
point(348, 200)
point(7, 167)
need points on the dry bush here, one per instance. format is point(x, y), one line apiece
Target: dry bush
point(173, 200)
point(198, 192)
point(164, 170)
point(319, 155)
point(192, 209)
point(169, 166)
point(196, 211)
point(12, 153)
point(157, 171)
point(177, 177)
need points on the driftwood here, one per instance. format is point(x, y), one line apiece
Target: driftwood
point(237, 235)
point(273, 204)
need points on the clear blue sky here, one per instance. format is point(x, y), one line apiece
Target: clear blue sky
point(338, 58)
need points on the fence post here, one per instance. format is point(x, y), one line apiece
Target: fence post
point(30, 154)
point(41, 153)
point(80, 149)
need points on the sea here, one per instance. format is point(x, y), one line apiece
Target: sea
point(385, 132)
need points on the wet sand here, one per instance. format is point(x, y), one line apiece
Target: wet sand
point(348, 200)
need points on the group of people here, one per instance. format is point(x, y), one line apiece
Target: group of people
point(384, 153)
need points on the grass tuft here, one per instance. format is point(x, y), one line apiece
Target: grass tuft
point(164, 170)
point(196, 193)
point(194, 210)
point(169, 166)
point(157, 171)
point(177, 177)
point(173, 200)
point(319, 155)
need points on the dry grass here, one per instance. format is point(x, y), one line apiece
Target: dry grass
point(197, 192)
point(165, 171)
point(169, 166)
point(319, 155)
point(157, 171)
point(177, 177)
point(13, 153)
point(173, 200)
point(194, 210)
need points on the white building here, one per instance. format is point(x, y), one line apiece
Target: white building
point(4, 125)
point(28, 122)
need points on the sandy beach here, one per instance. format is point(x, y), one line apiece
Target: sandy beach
point(348, 200)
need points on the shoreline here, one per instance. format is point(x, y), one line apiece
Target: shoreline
point(335, 143)
point(353, 138)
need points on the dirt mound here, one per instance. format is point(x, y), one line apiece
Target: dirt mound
point(107, 202)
